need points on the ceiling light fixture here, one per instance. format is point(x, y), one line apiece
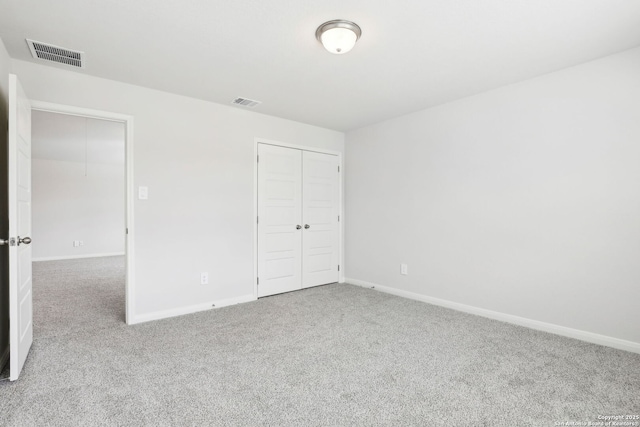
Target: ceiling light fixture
point(338, 36)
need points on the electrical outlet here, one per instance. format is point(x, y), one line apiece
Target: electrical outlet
point(75, 243)
point(404, 270)
point(80, 243)
point(204, 278)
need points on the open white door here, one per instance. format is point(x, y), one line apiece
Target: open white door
point(19, 191)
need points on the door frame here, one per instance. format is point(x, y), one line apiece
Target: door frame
point(129, 188)
point(258, 141)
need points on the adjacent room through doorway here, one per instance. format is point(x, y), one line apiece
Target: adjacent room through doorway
point(78, 211)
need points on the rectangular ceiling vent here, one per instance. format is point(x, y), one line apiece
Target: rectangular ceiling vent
point(246, 102)
point(61, 55)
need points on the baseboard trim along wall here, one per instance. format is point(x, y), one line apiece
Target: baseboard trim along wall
point(164, 314)
point(59, 258)
point(607, 341)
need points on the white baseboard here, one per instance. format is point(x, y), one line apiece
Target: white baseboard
point(591, 337)
point(164, 314)
point(59, 258)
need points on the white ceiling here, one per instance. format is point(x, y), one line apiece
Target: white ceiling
point(76, 139)
point(412, 54)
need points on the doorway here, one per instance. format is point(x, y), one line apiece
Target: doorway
point(18, 162)
point(78, 222)
point(298, 222)
point(101, 151)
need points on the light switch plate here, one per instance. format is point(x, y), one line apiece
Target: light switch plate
point(143, 193)
point(404, 269)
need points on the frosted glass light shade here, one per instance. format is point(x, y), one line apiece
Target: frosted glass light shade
point(339, 40)
point(338, 36)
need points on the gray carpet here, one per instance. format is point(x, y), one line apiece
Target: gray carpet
point(335, 355)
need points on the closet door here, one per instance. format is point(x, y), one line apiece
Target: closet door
point(320, 210)
point(279, 219)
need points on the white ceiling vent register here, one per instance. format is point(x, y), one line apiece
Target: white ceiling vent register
point(61, 55)
point(246, 102)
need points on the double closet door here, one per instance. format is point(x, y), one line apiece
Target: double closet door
point(298, 219)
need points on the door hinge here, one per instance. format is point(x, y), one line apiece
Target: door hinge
point(257, 220)
point(338, 218)
point(338, 267)
point(338, 169)
point(126, 231)
point(258, 158)
point(258, 281)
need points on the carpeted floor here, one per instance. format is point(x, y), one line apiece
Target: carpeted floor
point(336, 355)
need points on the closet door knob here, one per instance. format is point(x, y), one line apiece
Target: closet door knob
point(298, 227)
point(307, 226)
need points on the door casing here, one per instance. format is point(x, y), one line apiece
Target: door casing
point(255, 202)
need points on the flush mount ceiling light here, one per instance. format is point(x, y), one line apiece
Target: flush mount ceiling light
point(338, 36)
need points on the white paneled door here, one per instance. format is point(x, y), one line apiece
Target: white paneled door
point(279, 219)
point(298, 223)
point(320, 210)
point(19, 192)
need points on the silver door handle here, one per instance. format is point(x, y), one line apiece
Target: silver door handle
point(4, 242)
point(25, 240)
point(298, 227)
point(307, 226)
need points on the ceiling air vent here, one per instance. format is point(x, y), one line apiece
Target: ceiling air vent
point(245, 102)
point(61, 55)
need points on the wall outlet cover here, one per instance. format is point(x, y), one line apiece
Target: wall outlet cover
point(204, 278)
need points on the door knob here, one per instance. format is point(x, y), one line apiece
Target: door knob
point(25, 240)
point(4, 242)
point(298, 227)
point(307, 226)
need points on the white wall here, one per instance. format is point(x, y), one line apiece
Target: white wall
point(524, 200)
point(197, 159)
point(69, 205)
